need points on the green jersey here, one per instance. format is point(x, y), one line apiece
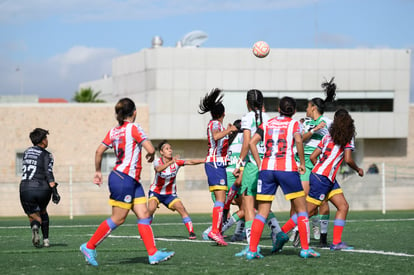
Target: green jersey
point(233, 152)
point(309, 124)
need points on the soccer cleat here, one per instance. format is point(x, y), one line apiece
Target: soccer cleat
point(296, 239)
point(323, 244)
point(160, 256)
point(254, 255)
point(205, 233)
point(46, 243)
point(243, 253)
point(35, 236)
point(309, 253)
point(192, 236)
point(316, 232)
point(237, 238)
point(217, 237)
point(341, 246)
point(90, 255)
point(281, 239)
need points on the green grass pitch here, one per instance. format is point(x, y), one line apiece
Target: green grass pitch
point(383, 245)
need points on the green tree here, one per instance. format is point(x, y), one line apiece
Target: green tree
point(87, 95)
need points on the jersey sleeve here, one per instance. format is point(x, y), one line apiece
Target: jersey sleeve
point(48, 164)
point(245, 123)
point(320, 145)
point(307, 125)
point(157, 163)
point(138, 133)
point(350, 145)
point(107, 140)
point(215, 125)
point(297, 128)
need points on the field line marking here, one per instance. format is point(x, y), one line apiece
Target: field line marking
point(194, 223)
point(379, 252)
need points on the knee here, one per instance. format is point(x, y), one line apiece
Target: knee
point(344, 207)
point(118, 221)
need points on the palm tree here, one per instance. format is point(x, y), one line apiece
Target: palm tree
point(87, 95)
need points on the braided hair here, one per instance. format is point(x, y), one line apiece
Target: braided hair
point(255, 102)
point(212, 102)
point(330, 91)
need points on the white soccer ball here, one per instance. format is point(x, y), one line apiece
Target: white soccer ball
point(261, 49)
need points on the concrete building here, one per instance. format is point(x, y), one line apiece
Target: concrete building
point(372, 83)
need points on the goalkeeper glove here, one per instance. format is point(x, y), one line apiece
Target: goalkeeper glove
point(55, 194)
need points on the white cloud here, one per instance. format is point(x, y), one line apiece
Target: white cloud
point(58, 76)
point(107, 10)
point(77, 57)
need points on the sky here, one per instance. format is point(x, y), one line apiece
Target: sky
point(49, 47)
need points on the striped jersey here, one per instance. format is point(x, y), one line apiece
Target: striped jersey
point(331, 158)
point(164, 181)
point(248, 122)
point(279, 141)
point(126, 140)
point(310, 144)
point(217, 150)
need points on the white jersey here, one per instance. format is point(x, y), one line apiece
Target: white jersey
point(248, 122)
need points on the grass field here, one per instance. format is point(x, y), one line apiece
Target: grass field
point(383, 245)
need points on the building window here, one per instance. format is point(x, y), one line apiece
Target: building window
point(19, 163)
point(351, 104)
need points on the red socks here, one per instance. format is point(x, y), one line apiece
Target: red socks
point(256, 232)
point(100, 234)
point(145, 230)
point(217, 217)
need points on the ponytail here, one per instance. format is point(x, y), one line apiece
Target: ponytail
point(212, 102)
point(123, 109)
point(255, 102)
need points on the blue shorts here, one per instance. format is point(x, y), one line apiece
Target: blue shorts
point(216, 175)
point(321, 189)
point(167, 200)
point(125, 191)
point(269, 181)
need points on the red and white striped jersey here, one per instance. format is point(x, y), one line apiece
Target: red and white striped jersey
point(331, 157)
point(126, 140)
point(164, 181)
point(217, 150)
point(279, 140)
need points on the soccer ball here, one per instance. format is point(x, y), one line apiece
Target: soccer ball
point(261, 49)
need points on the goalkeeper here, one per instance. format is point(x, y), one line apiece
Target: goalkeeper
point(38, 186)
